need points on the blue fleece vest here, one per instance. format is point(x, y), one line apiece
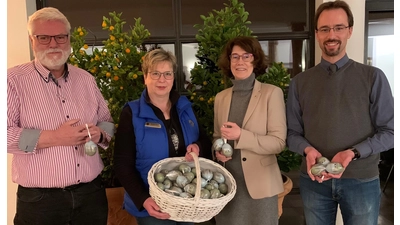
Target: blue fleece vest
point(152, 139)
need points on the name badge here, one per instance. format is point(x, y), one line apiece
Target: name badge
point(152, 125)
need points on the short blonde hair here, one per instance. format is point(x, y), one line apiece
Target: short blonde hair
point(156, 56)
point(47, 14)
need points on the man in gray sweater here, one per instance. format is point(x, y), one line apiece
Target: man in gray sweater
point(344, 111)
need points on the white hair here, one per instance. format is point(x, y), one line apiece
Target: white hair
point(47, 14)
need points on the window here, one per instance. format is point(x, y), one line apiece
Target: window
point(265, 16)
point(157, 15)
point(281, 26)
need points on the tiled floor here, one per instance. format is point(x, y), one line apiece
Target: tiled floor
point(293, 208)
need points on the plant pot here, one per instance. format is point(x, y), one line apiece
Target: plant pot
point(116, 214)
point(287, 187)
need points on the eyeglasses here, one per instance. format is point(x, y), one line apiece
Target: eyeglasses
point(46, 39)
point(336, 29)
point(155, 75)
point(246, 57)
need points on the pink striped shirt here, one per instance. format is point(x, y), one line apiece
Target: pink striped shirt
point(35, 102)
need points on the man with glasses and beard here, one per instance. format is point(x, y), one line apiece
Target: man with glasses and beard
point(342, 110)
point(56, 118)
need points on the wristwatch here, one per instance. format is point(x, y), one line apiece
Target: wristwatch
point(356, 153)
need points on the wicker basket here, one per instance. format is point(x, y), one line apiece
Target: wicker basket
point(193, 209)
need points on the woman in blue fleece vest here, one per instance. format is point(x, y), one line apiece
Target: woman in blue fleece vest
point(158, 125)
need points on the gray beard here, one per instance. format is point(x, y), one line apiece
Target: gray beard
point(52, 63)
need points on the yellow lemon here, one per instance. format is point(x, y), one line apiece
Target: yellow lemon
point(135, 76)
point(85, 46)
point(108, 74)
point(127, 51)
point(104, 24)
point(112, 38)
point(81, 33)
point(111, 28)
point(79, 29)
point(121, 88)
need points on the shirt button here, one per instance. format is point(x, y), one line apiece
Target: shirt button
point(63, 101)
point(76, 148)
point(78, 165)
point(67, 117)
point(244, 159)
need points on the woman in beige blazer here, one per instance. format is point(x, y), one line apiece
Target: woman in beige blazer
point(251, 116)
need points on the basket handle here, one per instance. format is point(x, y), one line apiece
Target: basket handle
point(198, 176)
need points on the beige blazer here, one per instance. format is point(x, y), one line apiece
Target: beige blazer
point(263, 136)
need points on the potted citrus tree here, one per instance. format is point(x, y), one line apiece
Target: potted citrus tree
point(116, 67)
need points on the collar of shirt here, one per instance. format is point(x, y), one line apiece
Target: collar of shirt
point(339, 64)
point(46, 74)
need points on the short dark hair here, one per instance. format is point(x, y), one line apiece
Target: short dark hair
point(334, 5)
point(250, 45)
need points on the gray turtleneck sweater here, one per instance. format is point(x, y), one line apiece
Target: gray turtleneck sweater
point(242, 90)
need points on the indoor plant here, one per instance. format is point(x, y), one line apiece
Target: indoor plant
point(117, 69)
point(277, 75)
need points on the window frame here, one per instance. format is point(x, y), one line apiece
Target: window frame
point(178, 40)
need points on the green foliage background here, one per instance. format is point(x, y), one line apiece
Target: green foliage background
point(117, 69)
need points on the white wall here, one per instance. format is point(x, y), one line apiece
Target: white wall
point(383, 56)
point(381, 53)
point(18, 51)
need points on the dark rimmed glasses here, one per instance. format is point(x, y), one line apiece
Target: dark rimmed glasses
point(155, 75)
point(246, 57)
point(336, 29)
point(46, 39)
